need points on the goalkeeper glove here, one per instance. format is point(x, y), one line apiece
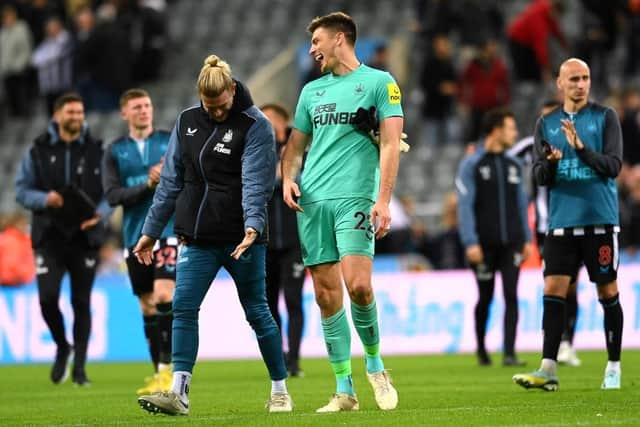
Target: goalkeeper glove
point(366, 121)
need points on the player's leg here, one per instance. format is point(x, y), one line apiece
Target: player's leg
point(82, 265)
point(485, 279)
point(163, 288)
point(49, 271)
point(355, 241)
point(566, 352)
point(293, 281)
point(197, 267)
point(141, 278)
point(601, 259)
point(249, 273)
point(561, 258)
point(510, 260)
point(273, 281)
point(320, 253)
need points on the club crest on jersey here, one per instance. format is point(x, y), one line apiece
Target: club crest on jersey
point(359, 90)
point(228, 136)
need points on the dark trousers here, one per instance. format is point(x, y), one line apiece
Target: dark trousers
point(285, 271)
point(506, 260)
point(15, 86)
point(81, 264)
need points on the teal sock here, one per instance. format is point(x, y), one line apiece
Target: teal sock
point(365, 319)
point(337, 337)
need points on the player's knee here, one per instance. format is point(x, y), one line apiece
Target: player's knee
point(361, 292)
point(260, 319)
point(326, 298)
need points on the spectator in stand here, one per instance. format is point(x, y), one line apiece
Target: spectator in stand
point(17, 265)
point(54, 60)
point(439, 85)
point(633, 38)
point(484, 85)
point(528, 36)
point(15, 55)
point(380, 57)
point(103, 58)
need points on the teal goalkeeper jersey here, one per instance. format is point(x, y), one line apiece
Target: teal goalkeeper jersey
point(343, 162)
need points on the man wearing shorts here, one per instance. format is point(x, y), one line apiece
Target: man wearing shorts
point(578, 156)
point(343, 199)
point(131, 172)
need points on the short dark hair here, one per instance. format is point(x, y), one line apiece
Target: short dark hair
point(494, 118)
point(337, 22)
point(65, 99)
point(132, 94)
point(277, 108)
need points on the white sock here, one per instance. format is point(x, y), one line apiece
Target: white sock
point(164, 367)
point(549, 366)
point(279, 386)
point(613, 366)
point(180, 386)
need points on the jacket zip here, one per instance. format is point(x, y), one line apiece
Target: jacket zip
point(206, 184)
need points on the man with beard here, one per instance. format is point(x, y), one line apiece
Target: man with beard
point(59, 180)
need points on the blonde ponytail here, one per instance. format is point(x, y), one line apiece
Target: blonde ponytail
point(215, 77)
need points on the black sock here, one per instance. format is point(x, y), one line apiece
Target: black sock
point(165, 323)
point(571, 317)
point(152, 332)
point(552, 325)
point(613, 320)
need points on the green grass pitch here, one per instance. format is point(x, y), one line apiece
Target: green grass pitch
point(443, 390)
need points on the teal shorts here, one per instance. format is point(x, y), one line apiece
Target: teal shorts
point(331, 229)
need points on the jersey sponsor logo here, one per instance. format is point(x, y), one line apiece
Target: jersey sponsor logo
point(394, 93)
point(574, 170)
point(337, 118)
point(220, 148)
point(132, 181)
point(191, 132)
point(228, 136)
point(325, 108)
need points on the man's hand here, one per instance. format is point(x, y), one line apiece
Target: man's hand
point(475, 254)
point(555, 155)
point(89, 223)
point(290, 193)
point(54, 199)
point(249, 237)
point(569, 130)
point(154, 175)
point(144, 249)
point(381, 219)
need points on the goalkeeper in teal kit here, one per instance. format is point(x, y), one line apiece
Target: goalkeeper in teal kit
point(343, 197)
